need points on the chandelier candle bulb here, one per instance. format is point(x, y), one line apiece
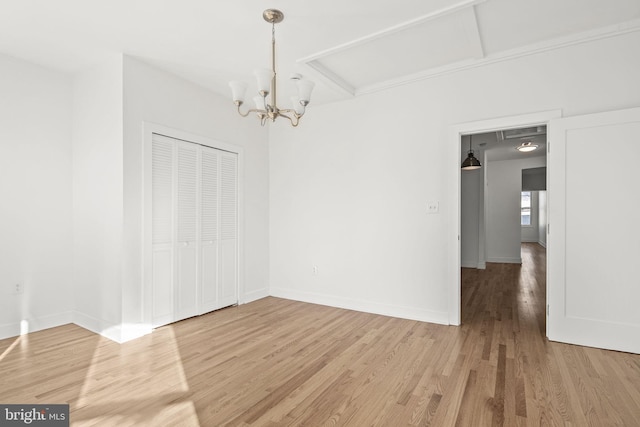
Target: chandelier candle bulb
point(304, 90)
point(238, 89)
point(264, 77)
point(297, 105)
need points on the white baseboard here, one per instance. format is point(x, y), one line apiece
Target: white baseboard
point(468, 264)
point(403, 312)
point(127, 332)
point(505, 260)
point(543, 244)
point(480, 265)
point(92, 324)
point(35, 324)
point(254, 296)
point(114, 331)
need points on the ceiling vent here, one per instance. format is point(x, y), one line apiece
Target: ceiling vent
point(523, 132)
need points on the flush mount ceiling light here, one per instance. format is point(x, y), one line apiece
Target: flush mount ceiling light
point(526, 146)
point(267, 86)
point(470, 163)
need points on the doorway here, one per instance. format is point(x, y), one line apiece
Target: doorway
point(459, 135)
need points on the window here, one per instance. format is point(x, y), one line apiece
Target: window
point(525, 208)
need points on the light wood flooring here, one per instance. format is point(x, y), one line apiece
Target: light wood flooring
point(276, 362)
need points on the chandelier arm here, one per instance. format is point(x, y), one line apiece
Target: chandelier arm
point(291, 111)
point(243, 114)
point(294, 120)
point(252, 110)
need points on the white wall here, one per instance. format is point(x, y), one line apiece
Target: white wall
point(154, 96)
point(349, 187)
point(471, 195)
point(542, 218)
point(97, 197)
point(472, 226)
point(35, 195)
point(72, 151)
point(530, 233)
point(503, 188)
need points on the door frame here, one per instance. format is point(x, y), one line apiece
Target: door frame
point(454, 155)
point(148, 129)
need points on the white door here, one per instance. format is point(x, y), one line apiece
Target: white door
point(194, 229)
point(593, 286)
point(187, 220)
point(209, 230)
point(219, 230)
point(162, 247)
point(228, 257)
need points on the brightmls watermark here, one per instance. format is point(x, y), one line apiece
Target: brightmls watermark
point(34, 415)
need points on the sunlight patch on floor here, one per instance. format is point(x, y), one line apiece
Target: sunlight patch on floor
point(11, 347)
point(162, 390)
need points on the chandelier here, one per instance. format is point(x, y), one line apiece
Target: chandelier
point(267, 85)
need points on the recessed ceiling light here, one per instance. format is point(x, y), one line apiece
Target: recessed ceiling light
point(525, 147)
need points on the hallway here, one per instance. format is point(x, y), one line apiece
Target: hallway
point(538, 382)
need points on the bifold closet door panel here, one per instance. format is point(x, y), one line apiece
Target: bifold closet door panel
point(162, 232)
point(228, 259)
point(162, 305)
point(209, 207)
point(187, 228)
point(195, 229)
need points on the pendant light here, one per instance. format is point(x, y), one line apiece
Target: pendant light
point(470, 163)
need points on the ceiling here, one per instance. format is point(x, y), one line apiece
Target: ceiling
point(347, 47)
point(501, 145)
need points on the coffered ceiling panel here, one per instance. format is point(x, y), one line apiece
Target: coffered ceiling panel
point(402, 50)
point(514, 24)
point(347, 47)
point(467, 34)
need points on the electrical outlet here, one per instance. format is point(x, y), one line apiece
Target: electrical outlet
point(433, 207)
point(19, 289)
point(315, 270)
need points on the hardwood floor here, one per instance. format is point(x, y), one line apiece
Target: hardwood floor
point(276, 362)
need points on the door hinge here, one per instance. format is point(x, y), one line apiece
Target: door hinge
point(547, 309)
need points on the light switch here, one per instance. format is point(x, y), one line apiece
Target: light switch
point(433, 207)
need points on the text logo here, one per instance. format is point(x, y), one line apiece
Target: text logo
point(34, 415)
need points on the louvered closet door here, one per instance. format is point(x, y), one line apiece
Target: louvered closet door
point(187, 228)
point(162, 231)
point(228, 259)
point(195, 229)
point(209, 208)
